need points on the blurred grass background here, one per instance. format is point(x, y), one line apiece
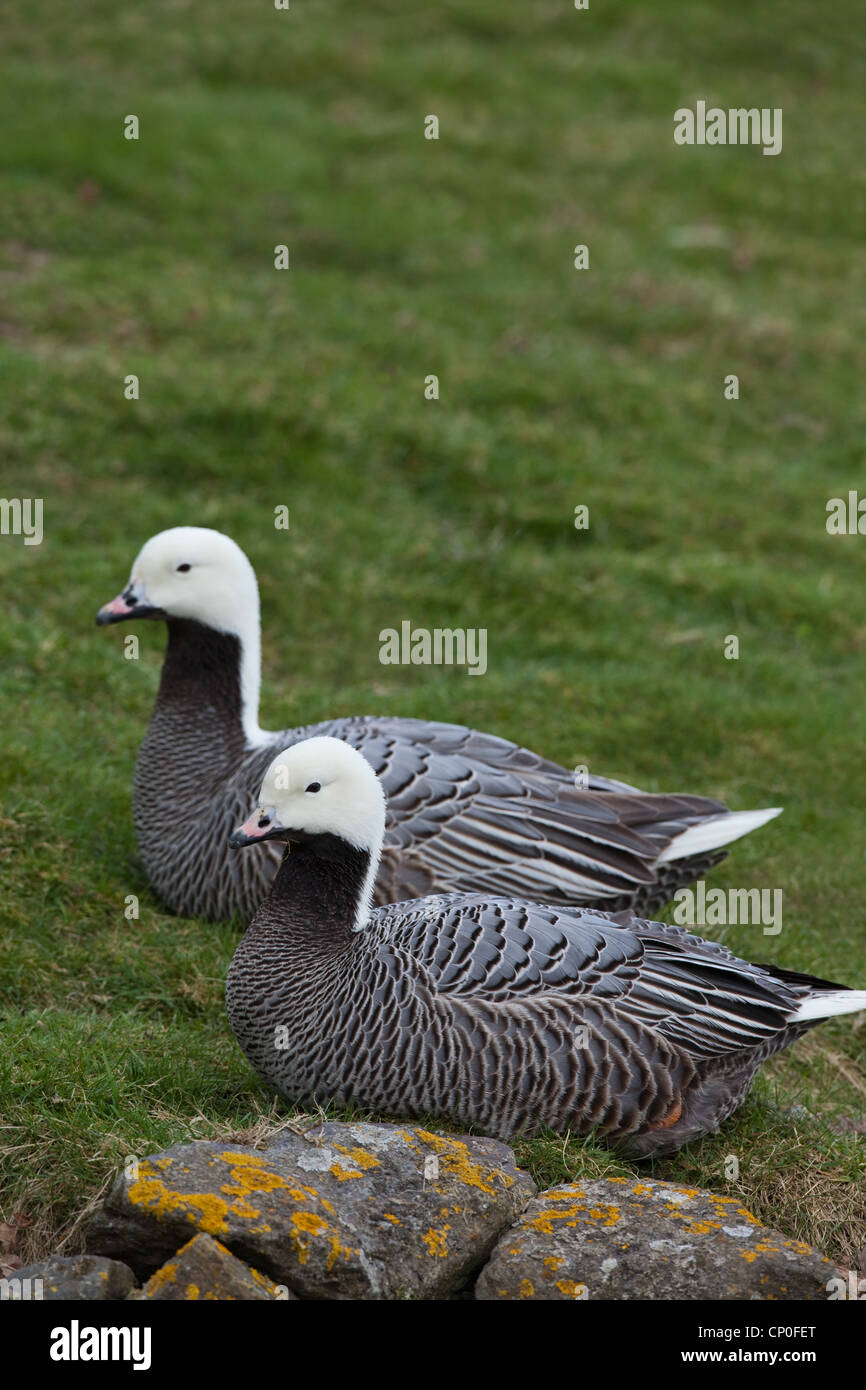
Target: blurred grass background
point(306, 389)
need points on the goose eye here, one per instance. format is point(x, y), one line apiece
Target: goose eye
point(314, 787)
point(182, 569)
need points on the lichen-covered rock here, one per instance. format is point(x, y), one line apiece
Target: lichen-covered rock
point(204, 1269)
point(70, 1277)
point(340, 1211)
point(620, 1238)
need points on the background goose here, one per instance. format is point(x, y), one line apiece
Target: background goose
point(467, 811)
point(493, 1011)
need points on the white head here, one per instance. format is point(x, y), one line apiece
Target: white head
point(196, 573)
point(322, 786)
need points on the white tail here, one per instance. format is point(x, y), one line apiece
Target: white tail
point(714, 832)
point(844, 1001)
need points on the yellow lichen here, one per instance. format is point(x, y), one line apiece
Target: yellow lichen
point(265, 1283)
point(747, 1215)
point(191, 1291)
point(249, 1174)
point(241, 1207)
point(609, 1215)
point(526, 1289)
point(310, 1222)
point(543, 1222)
point(203, 1209)
point(454, 1159)
point(343, 1174)
point(337, 1250)
point(437, 1241)
point(307, 1224)
point(359, 1157)
point(570, 1289)
point(163, 1276)
point(207, 1211)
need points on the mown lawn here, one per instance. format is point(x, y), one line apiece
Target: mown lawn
point(305, 388)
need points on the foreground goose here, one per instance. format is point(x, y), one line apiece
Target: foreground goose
point(492, 1011)
point(467, 811)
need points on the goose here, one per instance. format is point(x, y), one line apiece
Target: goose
point(491, 1011)
point(467, 811)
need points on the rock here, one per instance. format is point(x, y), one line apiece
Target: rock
point(204, 1269)
point(66, 1277)
point(620, 1238)
point(342, 1211)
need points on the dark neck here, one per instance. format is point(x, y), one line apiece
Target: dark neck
point(317, 891)
point(202, 672)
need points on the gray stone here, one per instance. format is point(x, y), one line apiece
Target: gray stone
point(205, 1270)
point(622, 1238)
point(341, 1211)
point(67, 1277)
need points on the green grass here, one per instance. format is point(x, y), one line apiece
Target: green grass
point(305, 388)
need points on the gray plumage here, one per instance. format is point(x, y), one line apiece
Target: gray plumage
point(467, 811)
point(497, 1012)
